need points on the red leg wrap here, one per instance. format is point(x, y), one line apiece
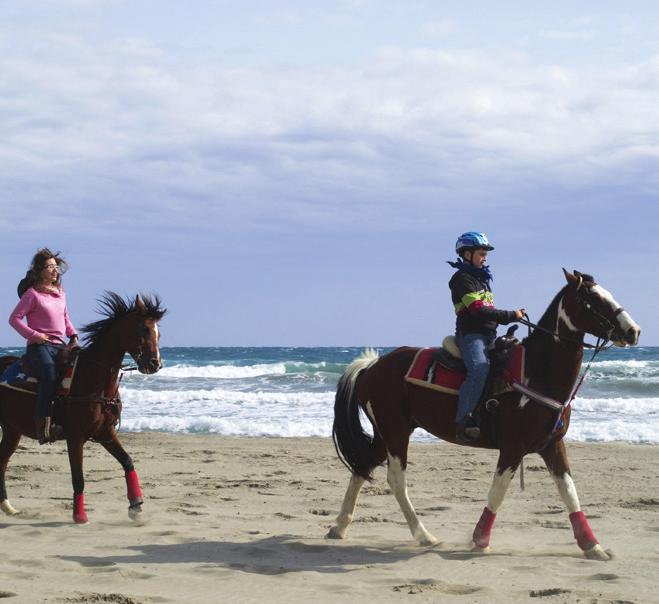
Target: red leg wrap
point(79, 515)
point(582, 532)
point(133, 485)
point(483, 530)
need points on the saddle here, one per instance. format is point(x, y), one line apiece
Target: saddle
point(19, 375)
point(443, 369)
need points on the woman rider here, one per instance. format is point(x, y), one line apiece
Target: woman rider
point(43, 304)
point(476, 324)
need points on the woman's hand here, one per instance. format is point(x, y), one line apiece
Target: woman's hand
point(73, 342)
point(519, 314)
point(42, 338)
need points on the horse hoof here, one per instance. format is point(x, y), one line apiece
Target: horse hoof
point(335, 533)
point(428, 541)
point(8, 508)
point(135, 514)
point(597, 553)
point(477, 549)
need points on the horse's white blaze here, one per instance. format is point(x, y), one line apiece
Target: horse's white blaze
point(500, 484)
point(563, 316)
point(157, 336)
point(8, 508)
point(625, 322)
point(398, 483)
point(568, 492)
point(345, 516)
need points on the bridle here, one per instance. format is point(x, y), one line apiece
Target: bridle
point(605, 323)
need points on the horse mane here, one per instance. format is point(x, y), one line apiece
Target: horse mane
point(113, 307)
point(547, 321)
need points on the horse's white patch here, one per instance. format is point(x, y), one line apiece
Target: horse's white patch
point(500, 484)
point(345, 516)
point(625, 322)
point(157, 336)
point(398, 484)
point(563, 316)
point(568, 492)
point(523, 400)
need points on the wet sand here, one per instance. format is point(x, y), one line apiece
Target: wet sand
point(244, 520)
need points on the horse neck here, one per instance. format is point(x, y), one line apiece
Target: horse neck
point(553, 364)
point(99, 366)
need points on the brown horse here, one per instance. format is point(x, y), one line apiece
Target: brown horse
point(395, 408)
point(93, 407)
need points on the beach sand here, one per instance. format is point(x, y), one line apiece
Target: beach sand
point(244, 520)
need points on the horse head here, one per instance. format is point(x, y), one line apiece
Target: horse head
point(140, 334)
point(588, 307)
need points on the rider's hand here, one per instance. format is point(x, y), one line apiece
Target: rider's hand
point(519, 314)
point(42, 338)
point(73, 343)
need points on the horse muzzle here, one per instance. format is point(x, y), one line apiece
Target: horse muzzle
point(627, 338)
point(149, 366)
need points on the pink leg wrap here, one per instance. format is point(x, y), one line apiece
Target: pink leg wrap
point(481, 536)
point(582, 532)
point(79, 515)
point(134, 491)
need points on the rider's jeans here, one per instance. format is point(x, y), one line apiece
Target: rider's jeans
point(473, 347)
point(42, 358)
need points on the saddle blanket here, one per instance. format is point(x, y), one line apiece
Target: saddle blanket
point(14, 377)
point(425, 371)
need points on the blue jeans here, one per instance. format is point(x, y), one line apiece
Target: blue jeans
point(473, 347)
point(42, 358)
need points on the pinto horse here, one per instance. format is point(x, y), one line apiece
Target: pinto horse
point(93, 407)
point(554, 353)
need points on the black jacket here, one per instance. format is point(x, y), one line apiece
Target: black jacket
point(473, 302)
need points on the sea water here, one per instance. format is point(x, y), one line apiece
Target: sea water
point(290, 392)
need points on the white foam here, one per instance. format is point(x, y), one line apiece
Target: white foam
point(220, 371)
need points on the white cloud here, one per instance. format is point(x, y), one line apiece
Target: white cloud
point(440, 28)
point(126, 125)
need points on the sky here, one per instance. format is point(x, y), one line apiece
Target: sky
point(296, 173)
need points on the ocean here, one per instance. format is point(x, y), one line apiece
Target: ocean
point(289, 392)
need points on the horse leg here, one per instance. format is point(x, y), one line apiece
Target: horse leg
point(133, 491)
point(9, 443)
point(500, 483)
point(74, 448)
point(555, 457)
point(343, 520)
point(397, 461)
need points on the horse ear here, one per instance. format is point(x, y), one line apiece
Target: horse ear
point(569, 277)
point(139, 305)
point(577, 273)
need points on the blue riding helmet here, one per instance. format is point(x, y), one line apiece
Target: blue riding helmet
point(472, 240)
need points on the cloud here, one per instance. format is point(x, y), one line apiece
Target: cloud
point(439, 28)
point(180, 141)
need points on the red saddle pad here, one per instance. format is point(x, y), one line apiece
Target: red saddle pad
point(425, 372)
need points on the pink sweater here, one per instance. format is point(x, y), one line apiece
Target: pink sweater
point(46, 314)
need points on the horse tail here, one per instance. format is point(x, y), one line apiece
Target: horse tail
point(353, 445)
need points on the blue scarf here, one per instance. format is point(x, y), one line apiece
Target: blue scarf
point(484, 274)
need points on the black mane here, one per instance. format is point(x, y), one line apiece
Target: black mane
point(113, 307)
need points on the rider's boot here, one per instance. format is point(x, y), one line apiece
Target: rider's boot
point(42, 425)
point(465, 432)
point(47, 432)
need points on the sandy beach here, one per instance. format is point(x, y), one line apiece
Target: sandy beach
point(244, 520)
